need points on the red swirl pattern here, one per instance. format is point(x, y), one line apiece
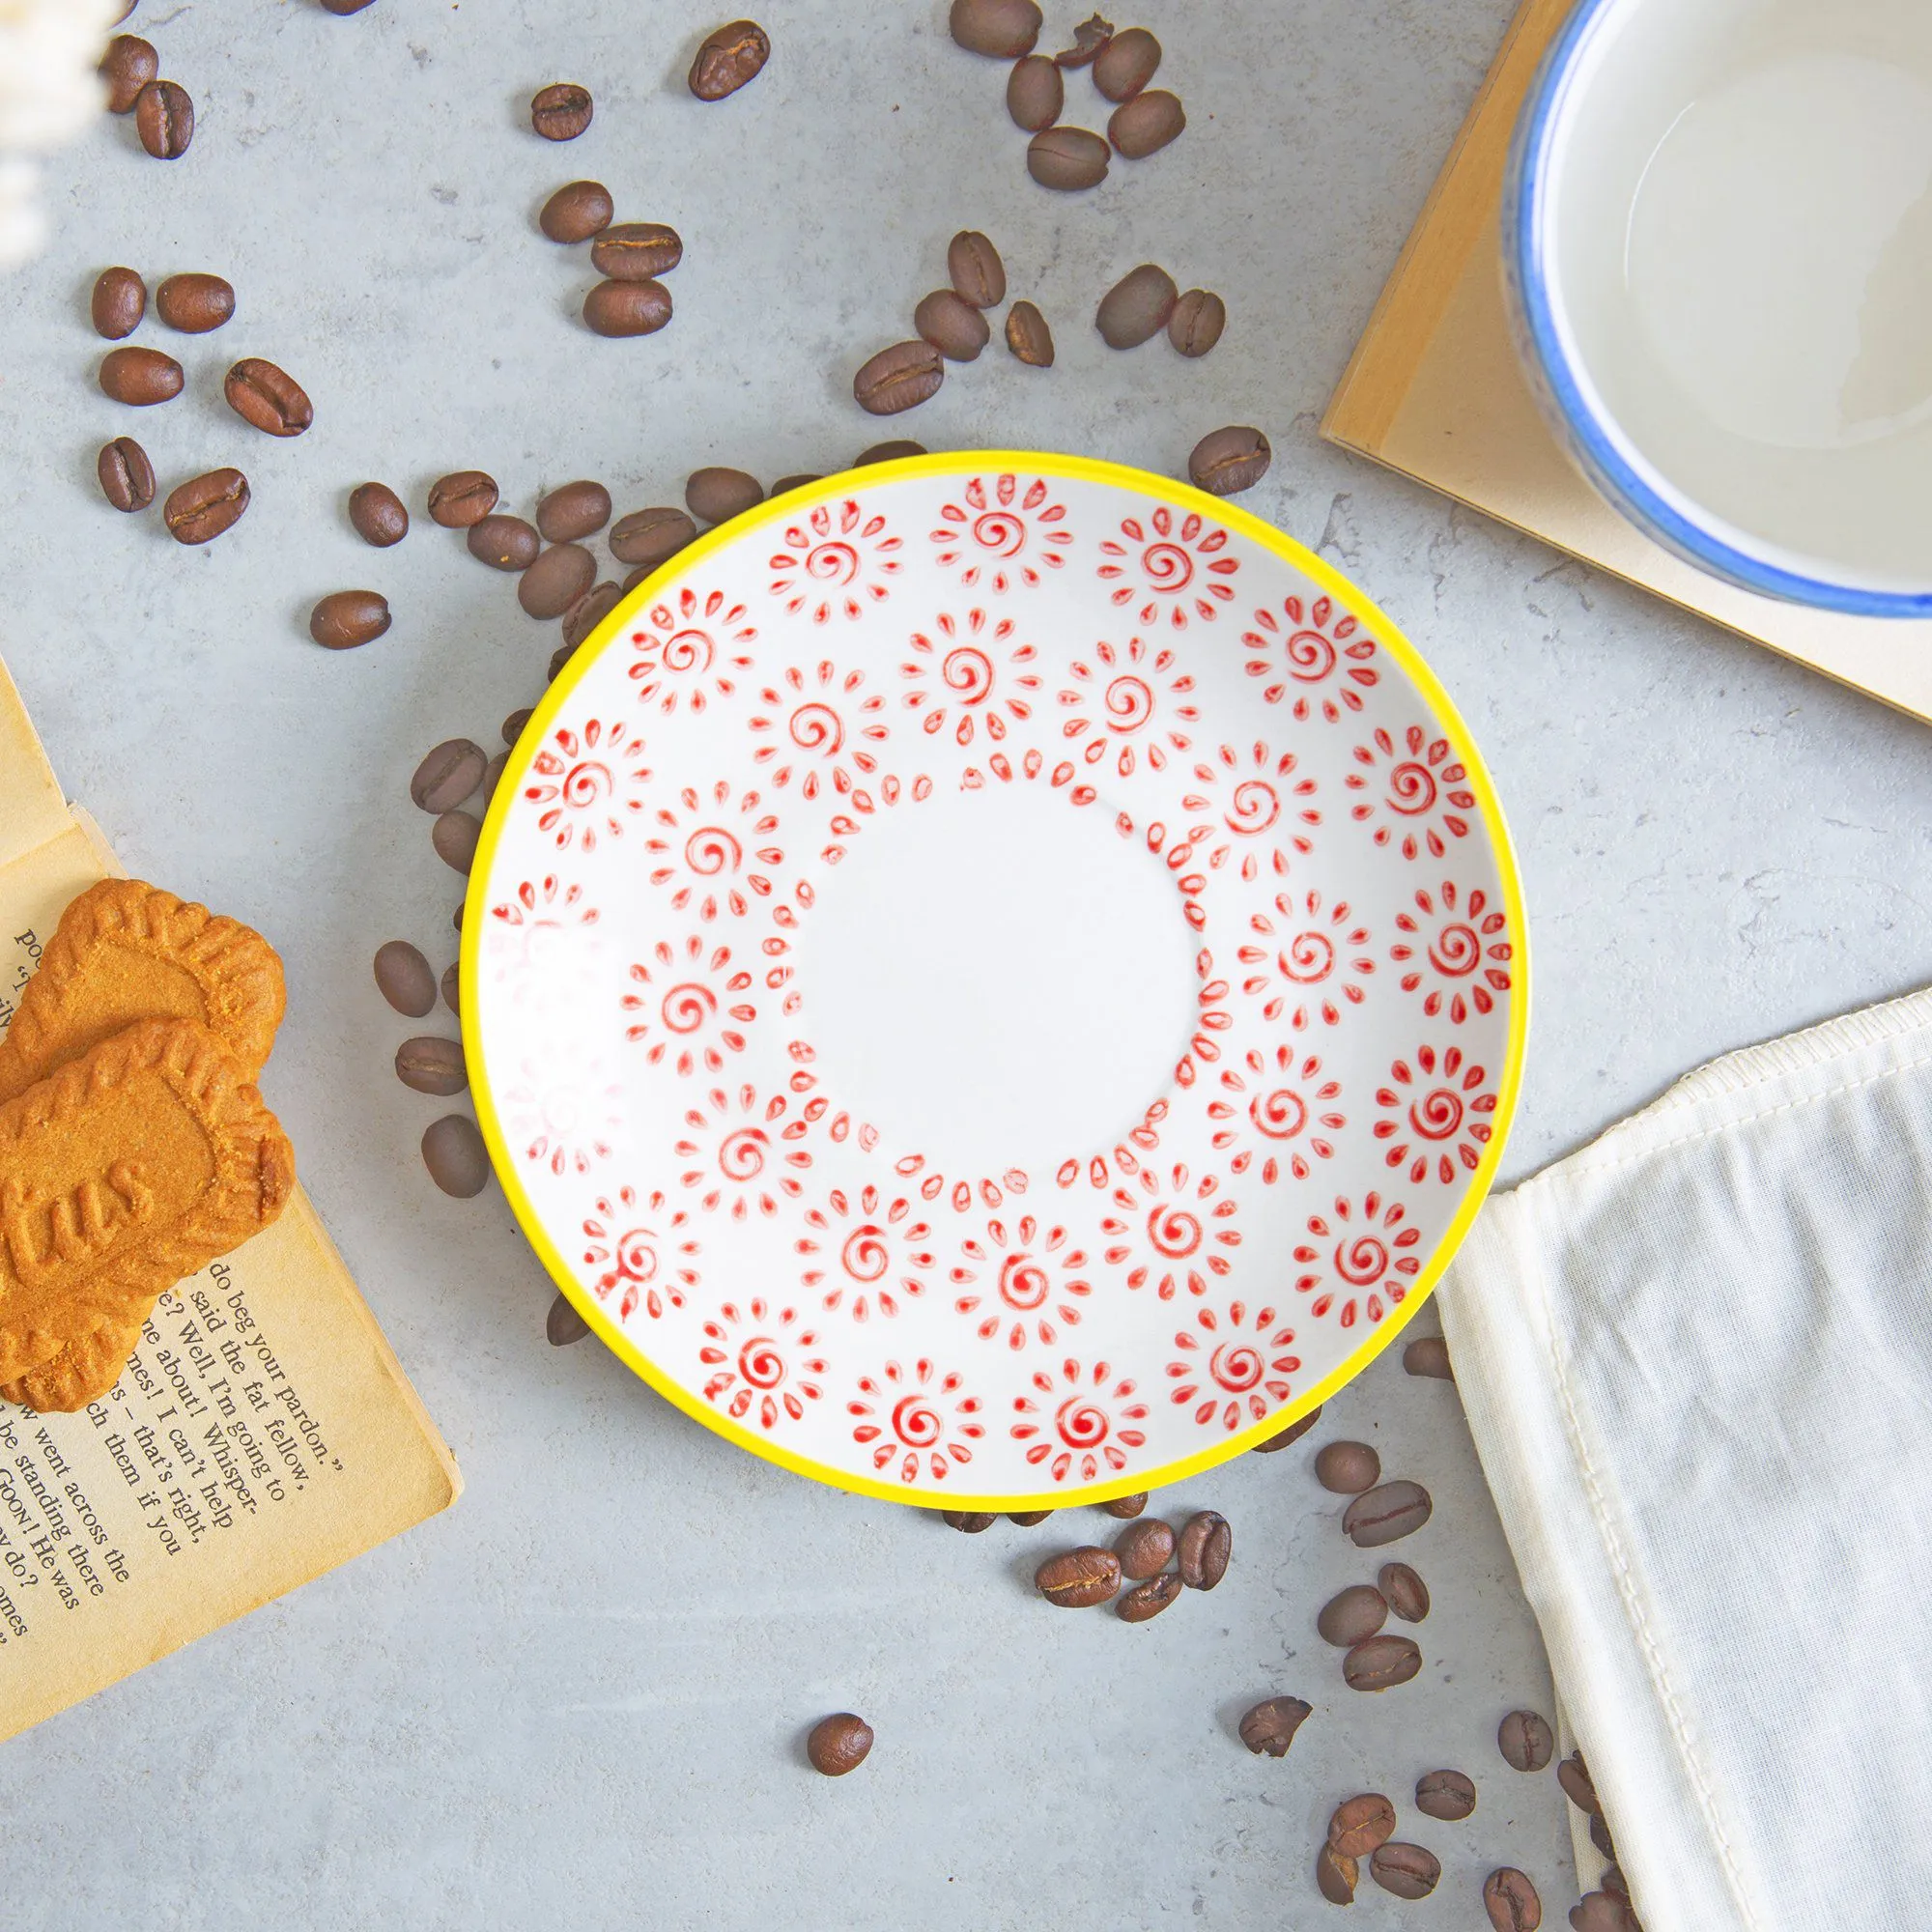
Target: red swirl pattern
point(1275, 1113)
point(1248, 1371)
point(914, 1419)
point(743, 1152)
point(882, 1247)
point(816, 711)
point(1456, 937)
point(1130, 704)
point(1189, 1223)
point(1080, 1421)
point(760, 1364)
point(1152, 568)
point(1040, 1279)
point(1437, 1114)
point(1372, 1249)
point(1254, 813)
point(580, 798)
point(691, 649)
point(817, 729)
point(1320, 662)
point(714, 852)
point(838, 560)
point(698, 996)
point(1002, 535)
point(973, 670)
point(1416, 781)
point(643, 1248)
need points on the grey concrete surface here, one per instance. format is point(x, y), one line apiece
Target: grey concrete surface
point(578, 1699)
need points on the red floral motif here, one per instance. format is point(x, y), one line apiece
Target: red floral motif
point(1460, 941)
point(1187, 1222)
point(1083, 1418)
point(527, 927)
point(712, 853)
point(689, 1005)
point(1437, 1114)
point(1006, 539)
point(643, 1248)
point(1123, 1162)
point(583, 782)
point(1321, 658)
point(761, 1363)
point(1373, 1259)
point(907, 1417)
point(970, 671)
point(1420, 792)
point(1024, 1278)
point(562, 1122)
point(835, 558)
point(739, 1148)
point(821, 721)
point(1210, 1017)
point(861, 805)
point(1309, 946)
point(1235, 1370)
point(1277, 1112)
point(1171, 564)
point(691, 648)
point(1124, 699)
point(865, 1252)
point(1255, 804)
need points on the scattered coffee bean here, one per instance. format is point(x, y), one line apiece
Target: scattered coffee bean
point(404, 978)
point(784, 486)
point(1271, 1726)
point(1387, 1514)
point(839, 1743)
point(1089, 38)
point(432, 1066)
point(1293, 1432)
point(1336, 1875)
point(1600, 1836)
point(558, 658)
point(1206, 1541)
point(648, 538)
point(1361, 1824)
point(969, 1522)
point(1028, 335)
point(1026, 1518)
point(729, 57)
point(1079, 1578)
point(561, 111)
point(1001, 29)
point(505, 543)
point(1525, 1740)
point(1136, 308)
point(1195, 327)
point(376, 515)
point(1429, 1355)
point(1147, 124)
point(1145, 1550)
point(973, 268)
point(119, 301)
point(1036, 93)
point(456, 918)
point(513, 725)
point(1614, 1883)
point(1126, 1507)
point(1067, 158)
point(1353, 1616)
point(1227, 461)
point(557, 580)
point(637, 252)
point(463, 497)
point(492, 773)
point(1407, 1871)
point(715, 495)
point(627, 308)
point(1407, 1593)
point(564, 1324)
point(1574, 1775)
point(165, 119)
point(1126, 64)
point(140, 377)
point(1148, 1600)
point(1602, 1912)
point(898, 378)
point(1511, 1901)
point(454, 836)
point(268, 397)
point(342, 9)
point(127, 477)
point(1381, 1663)
point(347, 619)
point(951, 324)
point(452, 988)
point(882, 452)
point(1445, 1793)
point(448, 776)
point(1347, 1468)
point(202, 508)
point(578, 210)
point(194, 305)
point(453, 1151)
point(588, 611)
point(127, 66)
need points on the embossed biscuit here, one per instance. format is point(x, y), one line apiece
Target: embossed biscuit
point(81, 1373)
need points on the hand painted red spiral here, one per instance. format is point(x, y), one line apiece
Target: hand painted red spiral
point(1310, 958)
point(916, 1422)
point(969, 672)
point(688, 1007)
point(999, 533)
point(1080, 1424)
point(689, 650)
point(1438, 1115)
point(583, 785)
point(1173, 1231)
point(1023, 1282)
point(1311, 657)
point(1362, 1261)
point(761, 1362)
point(1456, 951)
point(815, 727)
point(1236, 1366)
point(865, 1253)
point(1169, 568)
point(636, 1255)
point(741, 1156)
point(1256, 806)
point(1130, 704)
point(1411, 788)
point(832, 563)
point(1280, 1114)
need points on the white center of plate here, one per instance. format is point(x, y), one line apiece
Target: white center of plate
point(996, 978)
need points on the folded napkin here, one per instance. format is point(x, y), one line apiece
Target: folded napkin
point(1698, 1363)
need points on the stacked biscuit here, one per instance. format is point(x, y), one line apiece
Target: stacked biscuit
point(134, 1148)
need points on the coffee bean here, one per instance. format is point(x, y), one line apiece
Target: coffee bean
point(270, 398)
point(1381, 1663)
point(1079, 1578)
point(558, 658)
point(784, 486)
point(342, 9)
point(1445, 1793)
point(729, 57)
point(637, 252)
point(1525, 1740)
point(1353, 1616)
point(1599, 1835)
point(561, 111)
point(1574, 1775)
point(1028, 335)
point(1429, 1355)
point(588, 611)
point(969, 1522)
point(1336, 1875)
point(1511, 1901)
point(345, 619)
point(127, 66)
point(456, 918)
point(627, 308)
point(1089, 38)
point(951, 324)
point(1408, 1595)
point(1271, 1725)
point(204, 507)
point(564, 1324)
point(1145, 1550)
point(898, 378)
point(140, 377)
point(1293, 1432)
point(882, 452)
point(1361, 1824)
point(1136, 308)
point(1026, 1518)
point(404, 978)
point(1147, 124)
point(119, 303)
point(127, 477)
point(1035, 92)
point(973, 268)
point(492, 773)
point(1148, 1600)
point(1227, 461)
point(1614, 1883)
point(165, 119)
point(839, 1743)
point(505, 543)
point(1126, 1507)
point(651, 537)
point(194, 305)
point(717, 495)
point(463, 497)
point(1197, 322)
point(453, 1151)
point(448, 776)
point(1347, 1468)
point(1002, 29)
point(376, 515)
point(1602, 1912)
point(1068, 158)
point(452, 988)
point(513, 725)
point(1126, 64)
point(1407, 1871)
point(454, 836)
point(1206, 1541)
point(578, 210)
point(432, 1066)
point(1387, 1514)
point(557, 580)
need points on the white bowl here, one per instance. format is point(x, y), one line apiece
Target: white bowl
point(1718, 233)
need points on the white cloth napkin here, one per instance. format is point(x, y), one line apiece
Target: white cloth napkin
point(1697, 1358)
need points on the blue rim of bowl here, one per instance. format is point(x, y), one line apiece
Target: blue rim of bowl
point(1591, 436)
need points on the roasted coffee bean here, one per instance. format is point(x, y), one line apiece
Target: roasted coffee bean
point(1602, 1912)
point(648, 538)
point(558, 658)
point(432, 1066)
point(1148, 1600)
point(1128, 1507)
point(557, 580)
point(717, 495)
point(564, 1324)
point(194, 305)
point(1147, 124)
point(1336, 1876)
point(1293, 1432)
point(578, 210)
point(1089, 38)
point(1126, 64)
point(1195, 327)
point(951, 324)
point(140, 377)
point(127, 477)
point(627, 308)
point(1002, 29)
point(345, 619)
point(1361, 1824)
point(1206, 1541)
point(561, 111)
point(1227, 461)
point(1574, 1775)
point(165, 119)
point(839, 1743)
point(1136, 308)
point(270, 398)
point(1028, 335)
point(202, 508)
point(453, 1151)
point(1525, 1740)
point(344, 8)
point(898, 378)
point(1445, 1793)
point(882, 452)
point(1068, 158)
point(1381, 1663)
point(1600, 1836)
point(1145, 1550)
point(1614, 1883)
point(513, 725)
point(454, 836)
point(1347, 1468)
point(588, 611)
point(1406, 1594)
point(729, 57)
point(1271, 1725)
point(1407, 1871)
point(456, 918)
point(376, 515)
point(448, 776)
point(127, 66)
point(1079, 1578)
point(1036, 93)
point(402, 978)
point(973, 268)
point(1026, 1518)
point(463, 497)
point(637, 252)
point(969, 1522)
point(119, 303)
point(785, 485)
point(1511, 1901)
point(452, 988)
point(1429, 1355)
point(1353, 1616)
point(505, 543)
point(492, 773)
point(1387, 1514)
